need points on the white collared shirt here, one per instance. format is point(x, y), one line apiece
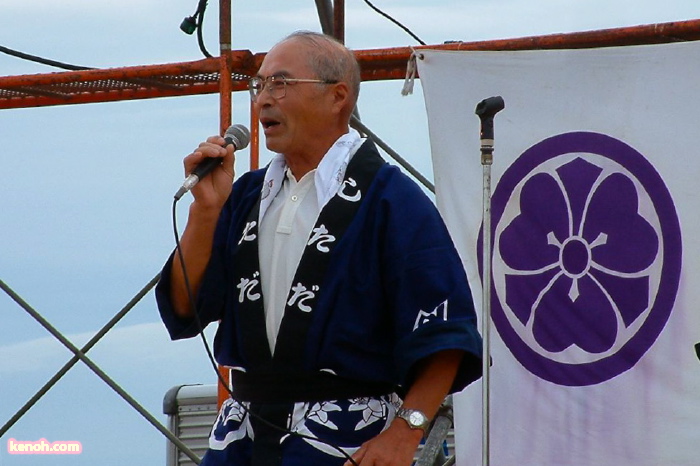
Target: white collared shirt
point(289, 209)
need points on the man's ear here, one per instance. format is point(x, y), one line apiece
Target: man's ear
point(341, 96)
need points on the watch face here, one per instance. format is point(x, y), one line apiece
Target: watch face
point(416, 419)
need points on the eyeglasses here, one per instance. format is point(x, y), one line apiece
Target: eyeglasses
point(277, 85)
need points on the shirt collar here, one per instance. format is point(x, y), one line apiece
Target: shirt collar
point(329, 173)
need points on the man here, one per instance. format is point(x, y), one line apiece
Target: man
point(333, 277)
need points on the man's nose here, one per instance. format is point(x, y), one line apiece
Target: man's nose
point(264, 99)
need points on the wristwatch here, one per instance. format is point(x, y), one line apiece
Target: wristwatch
point(416, 419)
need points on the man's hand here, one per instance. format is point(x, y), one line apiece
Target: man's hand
point(397, 444)
point(213, 190)
point(210, 195)
point(393, 447)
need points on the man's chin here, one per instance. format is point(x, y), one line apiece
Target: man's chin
point(272, 147)
point(275, 143)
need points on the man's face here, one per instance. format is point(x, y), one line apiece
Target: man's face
point(293, 123)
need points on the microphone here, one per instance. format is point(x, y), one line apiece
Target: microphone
point(238, 135)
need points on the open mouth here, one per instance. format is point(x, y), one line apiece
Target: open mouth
point(268, 123)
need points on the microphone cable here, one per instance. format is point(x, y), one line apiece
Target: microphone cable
point(210, 356)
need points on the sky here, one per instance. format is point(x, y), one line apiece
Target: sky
point(87, 189)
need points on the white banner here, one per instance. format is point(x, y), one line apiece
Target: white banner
point(596, 257)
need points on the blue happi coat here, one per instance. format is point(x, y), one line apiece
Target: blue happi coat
point(393, 290)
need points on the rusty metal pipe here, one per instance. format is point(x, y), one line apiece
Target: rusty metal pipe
point(376, 64)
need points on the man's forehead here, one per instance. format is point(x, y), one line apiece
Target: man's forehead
point(285, 59)
point(277, 73)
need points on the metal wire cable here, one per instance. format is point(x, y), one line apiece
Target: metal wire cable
point(99, 372)
point(74, 360)
point(387, 16)
point(43, 61)
point(199, 15)
point(358, 125)
point(201, 8)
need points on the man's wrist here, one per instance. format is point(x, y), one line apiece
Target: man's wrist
point(414, 418)
point(204, 213)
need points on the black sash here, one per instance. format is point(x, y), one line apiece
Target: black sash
point(332, 223)
point(276, 405)
point(306, 387)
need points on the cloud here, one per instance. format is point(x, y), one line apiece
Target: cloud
point(140, 346)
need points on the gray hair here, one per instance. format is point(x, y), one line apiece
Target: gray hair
point(330, 60)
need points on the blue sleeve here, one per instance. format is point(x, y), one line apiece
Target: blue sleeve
point(211, 298)
point(427, 287)
point(178, 328)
